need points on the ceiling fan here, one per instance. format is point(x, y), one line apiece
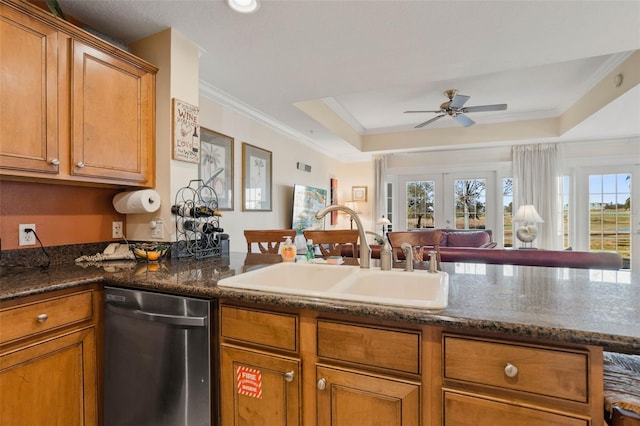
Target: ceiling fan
point(454, 108)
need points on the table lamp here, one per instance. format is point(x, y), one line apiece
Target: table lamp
point(384, 222)
point(529, 231)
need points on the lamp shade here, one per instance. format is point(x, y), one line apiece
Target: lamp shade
point(527, 213)
point(383, 221)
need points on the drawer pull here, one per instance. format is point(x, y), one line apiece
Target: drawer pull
point(42, 318)
point(80, 165)
point(322, 384)
point(510, 370)
point(288, 376)
point(54, 162)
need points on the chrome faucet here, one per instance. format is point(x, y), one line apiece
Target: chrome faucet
point(365, 250)
point(408, 256)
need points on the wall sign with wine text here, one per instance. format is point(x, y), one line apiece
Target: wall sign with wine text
point(186, 132)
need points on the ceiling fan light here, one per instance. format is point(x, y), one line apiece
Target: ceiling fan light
point(244, 6)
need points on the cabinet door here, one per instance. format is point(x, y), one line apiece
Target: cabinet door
point(465, 410)
point(50, 383)
point(349, 398)
point(257, 388)
point(28, 93)
point(112, 117)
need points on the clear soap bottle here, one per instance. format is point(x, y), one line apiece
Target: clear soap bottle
point(310, 250)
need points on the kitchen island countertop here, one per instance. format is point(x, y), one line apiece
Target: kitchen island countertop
point(559, 304)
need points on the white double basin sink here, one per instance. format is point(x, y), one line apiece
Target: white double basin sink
point(417, 289)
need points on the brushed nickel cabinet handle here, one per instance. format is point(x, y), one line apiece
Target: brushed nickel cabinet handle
point(510, 370)
point(42, 318)
point(80, 165)
point(322, 384)
point(288, 376)
point(54, 162)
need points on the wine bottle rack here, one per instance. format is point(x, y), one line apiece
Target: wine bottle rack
point(198, 232)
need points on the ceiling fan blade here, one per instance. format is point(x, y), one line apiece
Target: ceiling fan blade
point(480, 108)
point(429, 121)
point(458, 101)
point(464, 120)
point(411, 112)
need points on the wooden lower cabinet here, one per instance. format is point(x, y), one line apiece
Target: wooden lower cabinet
point(348, 371)
point(259, 388)
point(50, 362)
point(356, 398)
point(467, 410)
point(50, 383)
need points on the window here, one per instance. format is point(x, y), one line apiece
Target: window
point(507, 211)
point(420, 204)
point(610, 213)
point(470, 203)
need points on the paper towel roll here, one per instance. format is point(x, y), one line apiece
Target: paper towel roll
point(142, 201)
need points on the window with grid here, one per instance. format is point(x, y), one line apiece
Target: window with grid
point(470, 203)
point(420, 204)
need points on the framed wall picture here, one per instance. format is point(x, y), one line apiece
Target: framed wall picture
point(256, 178)
point(359, 193)
point(334, 199)
point(216, 165)
point(186, 132)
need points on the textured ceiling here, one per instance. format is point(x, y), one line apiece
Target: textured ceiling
point(368, 61)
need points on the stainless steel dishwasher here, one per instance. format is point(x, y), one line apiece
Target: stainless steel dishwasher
point(158, 360)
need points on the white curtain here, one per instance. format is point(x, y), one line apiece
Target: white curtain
point(379, 172)
point(536, 181)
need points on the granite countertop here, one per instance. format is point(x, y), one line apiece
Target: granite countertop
point(567, 305)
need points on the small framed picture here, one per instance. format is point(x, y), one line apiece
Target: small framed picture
point(256, 178)
point(359, 193)
point(216, 165)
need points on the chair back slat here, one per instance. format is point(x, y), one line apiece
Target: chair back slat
point(331, 241)
point(419, 240)
point(269, 240)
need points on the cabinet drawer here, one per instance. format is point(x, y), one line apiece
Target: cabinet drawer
point(546, 371)
point(460, 409)
point(274, 330)
point(385, 348)
point(45, 315)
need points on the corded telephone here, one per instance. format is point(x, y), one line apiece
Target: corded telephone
point(117, 251)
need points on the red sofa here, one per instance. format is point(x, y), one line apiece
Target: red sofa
point(476, 246)
point(553, 258)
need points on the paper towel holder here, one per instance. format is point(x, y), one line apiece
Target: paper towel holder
point(140, 201)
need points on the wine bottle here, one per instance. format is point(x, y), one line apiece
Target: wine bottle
point(204, 227)
point(195, 211)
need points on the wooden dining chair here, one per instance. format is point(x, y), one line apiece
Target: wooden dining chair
point(421, 243)
point(330, 242)
point(269, 240)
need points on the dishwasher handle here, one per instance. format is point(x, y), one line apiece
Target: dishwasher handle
point(163, 318)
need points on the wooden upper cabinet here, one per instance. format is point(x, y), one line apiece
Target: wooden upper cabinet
point(72, 107)
point(112, 133)
point(28, 93)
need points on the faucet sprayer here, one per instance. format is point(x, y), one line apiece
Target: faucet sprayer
point(408, 256)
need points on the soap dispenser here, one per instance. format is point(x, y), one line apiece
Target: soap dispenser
point(288, 251)
point(385, 256)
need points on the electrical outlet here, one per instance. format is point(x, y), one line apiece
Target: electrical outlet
point(116, 229)
point(26, 238)
point(157, 229)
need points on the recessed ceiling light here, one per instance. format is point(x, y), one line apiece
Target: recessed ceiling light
point(244, 6)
